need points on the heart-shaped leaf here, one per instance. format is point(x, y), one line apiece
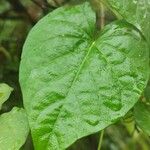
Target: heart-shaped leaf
point(74, 85)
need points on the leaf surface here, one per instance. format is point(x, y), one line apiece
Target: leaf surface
point(137, 12)
point(13, 129)
point(5, 92)
point(142, 116)
point(74, 85)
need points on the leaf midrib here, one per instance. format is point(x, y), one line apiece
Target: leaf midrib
point(74, 80)
point(82, 63)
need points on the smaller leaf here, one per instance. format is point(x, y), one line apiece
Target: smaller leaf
point(5, 92)
point(14, 129)
point(142, 116)
point(136, 12)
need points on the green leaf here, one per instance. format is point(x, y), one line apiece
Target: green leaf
point(14, 129)
point(147, 92)
point(5, 92)
point(137, 12)
point(74, 85)
point(142, 116)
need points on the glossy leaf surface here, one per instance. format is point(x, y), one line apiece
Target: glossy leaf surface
point(136, 12)
point(74, 85)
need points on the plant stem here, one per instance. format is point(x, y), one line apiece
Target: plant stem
point(99, 10)
point(100, 140)
point(102, 15)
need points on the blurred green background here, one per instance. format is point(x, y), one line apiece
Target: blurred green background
point(17, 17)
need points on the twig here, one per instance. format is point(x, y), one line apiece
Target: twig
point(4, 51)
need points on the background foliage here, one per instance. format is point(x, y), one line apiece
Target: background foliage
point(17, 17)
